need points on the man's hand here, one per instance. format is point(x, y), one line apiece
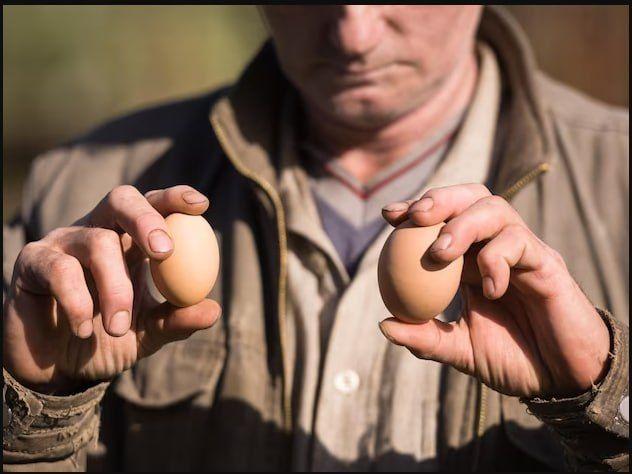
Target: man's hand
point(78, 309)
point(526, 329)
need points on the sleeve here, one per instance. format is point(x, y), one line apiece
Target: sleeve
point(46, 432)
point(594, 426)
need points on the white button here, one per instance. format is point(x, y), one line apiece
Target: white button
point(347, 381)
point(624, 408)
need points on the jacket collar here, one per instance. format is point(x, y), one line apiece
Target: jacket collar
point(247, 117)
point(524, 139)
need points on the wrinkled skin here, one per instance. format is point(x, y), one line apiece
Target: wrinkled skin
point(67, 314)
point(527, 329)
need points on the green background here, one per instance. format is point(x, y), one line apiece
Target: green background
point(67, 68)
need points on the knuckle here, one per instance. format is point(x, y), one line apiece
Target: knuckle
point(148, 219)
point(556, 257)
point(495, 201)
point(56, 234)
point(181, 189)
point(516, 231)
point(548, 270)
point(551, 265)
point(480, 189)
point(152, 192)
point(122, 291)
point(28, 256)
point(173, 194)
point(121, 193)
point(483, 255)
point(433, 193)
point(62, 264)
point(99, 239)
point(32, 248)
point(78, 305)
point(486, 258)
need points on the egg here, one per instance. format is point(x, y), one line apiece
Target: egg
point(415, 287)
point(189, 273)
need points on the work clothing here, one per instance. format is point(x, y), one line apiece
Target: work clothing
point(225, 398)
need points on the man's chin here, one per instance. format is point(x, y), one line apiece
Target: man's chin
point(364, 114)
point(361, 107)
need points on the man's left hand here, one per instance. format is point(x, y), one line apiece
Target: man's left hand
point(527, 329)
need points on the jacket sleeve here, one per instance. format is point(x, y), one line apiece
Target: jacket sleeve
point(45, 432)
point(594, 427)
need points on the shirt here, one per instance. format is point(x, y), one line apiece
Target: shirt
point(335, 387)
point(349, 210)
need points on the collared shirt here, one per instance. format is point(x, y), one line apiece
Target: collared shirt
point(353, 391)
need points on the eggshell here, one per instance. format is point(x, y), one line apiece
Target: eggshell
point(415, 288)
point(189, 273)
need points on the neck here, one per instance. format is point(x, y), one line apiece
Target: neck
point(364, 152)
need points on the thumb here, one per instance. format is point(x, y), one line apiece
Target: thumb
point(167, 323)
point(448, 343)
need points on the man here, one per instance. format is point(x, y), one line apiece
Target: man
point(416, 108)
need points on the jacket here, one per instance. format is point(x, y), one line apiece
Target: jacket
point(222, 398)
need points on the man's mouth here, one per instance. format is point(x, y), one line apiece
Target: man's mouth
point(357, 75)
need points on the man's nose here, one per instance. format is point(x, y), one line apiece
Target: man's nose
point(357, 29)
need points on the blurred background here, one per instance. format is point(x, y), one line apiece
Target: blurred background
point(67, 68)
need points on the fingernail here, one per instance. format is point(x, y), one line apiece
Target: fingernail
point(488, 286)
point(159, 241)
point(119, 324)
point(422, 205)
point(193, 197)
point(396, 207)
point(442, 243)
point(84, 331)
point(385, 332)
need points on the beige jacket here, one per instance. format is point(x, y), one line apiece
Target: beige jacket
point(222, 398)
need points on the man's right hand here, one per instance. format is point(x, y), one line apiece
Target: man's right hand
point(78, 308)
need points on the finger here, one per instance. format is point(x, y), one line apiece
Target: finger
point(471, 274)
point(497, 257)
point(448, 343)
point(481, 221)
point(516, 247)
point(133, 253)
point(100, 251)
point(44, 271)
point(167, 323)
point(441, 204)
point(181, 198)
point(396, 213)
point(125, 209)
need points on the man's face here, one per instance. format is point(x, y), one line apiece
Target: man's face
point(365, 65)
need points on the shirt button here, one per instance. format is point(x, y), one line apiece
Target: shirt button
point(347, 381)
point(624, 408)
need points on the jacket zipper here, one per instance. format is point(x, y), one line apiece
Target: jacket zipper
point(280, 218)
point(479, 427)
point(526, 179)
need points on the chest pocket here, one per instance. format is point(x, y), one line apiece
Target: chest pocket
point(167, 399)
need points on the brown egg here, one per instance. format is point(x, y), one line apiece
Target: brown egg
point(414, 287)
point(189, 273)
